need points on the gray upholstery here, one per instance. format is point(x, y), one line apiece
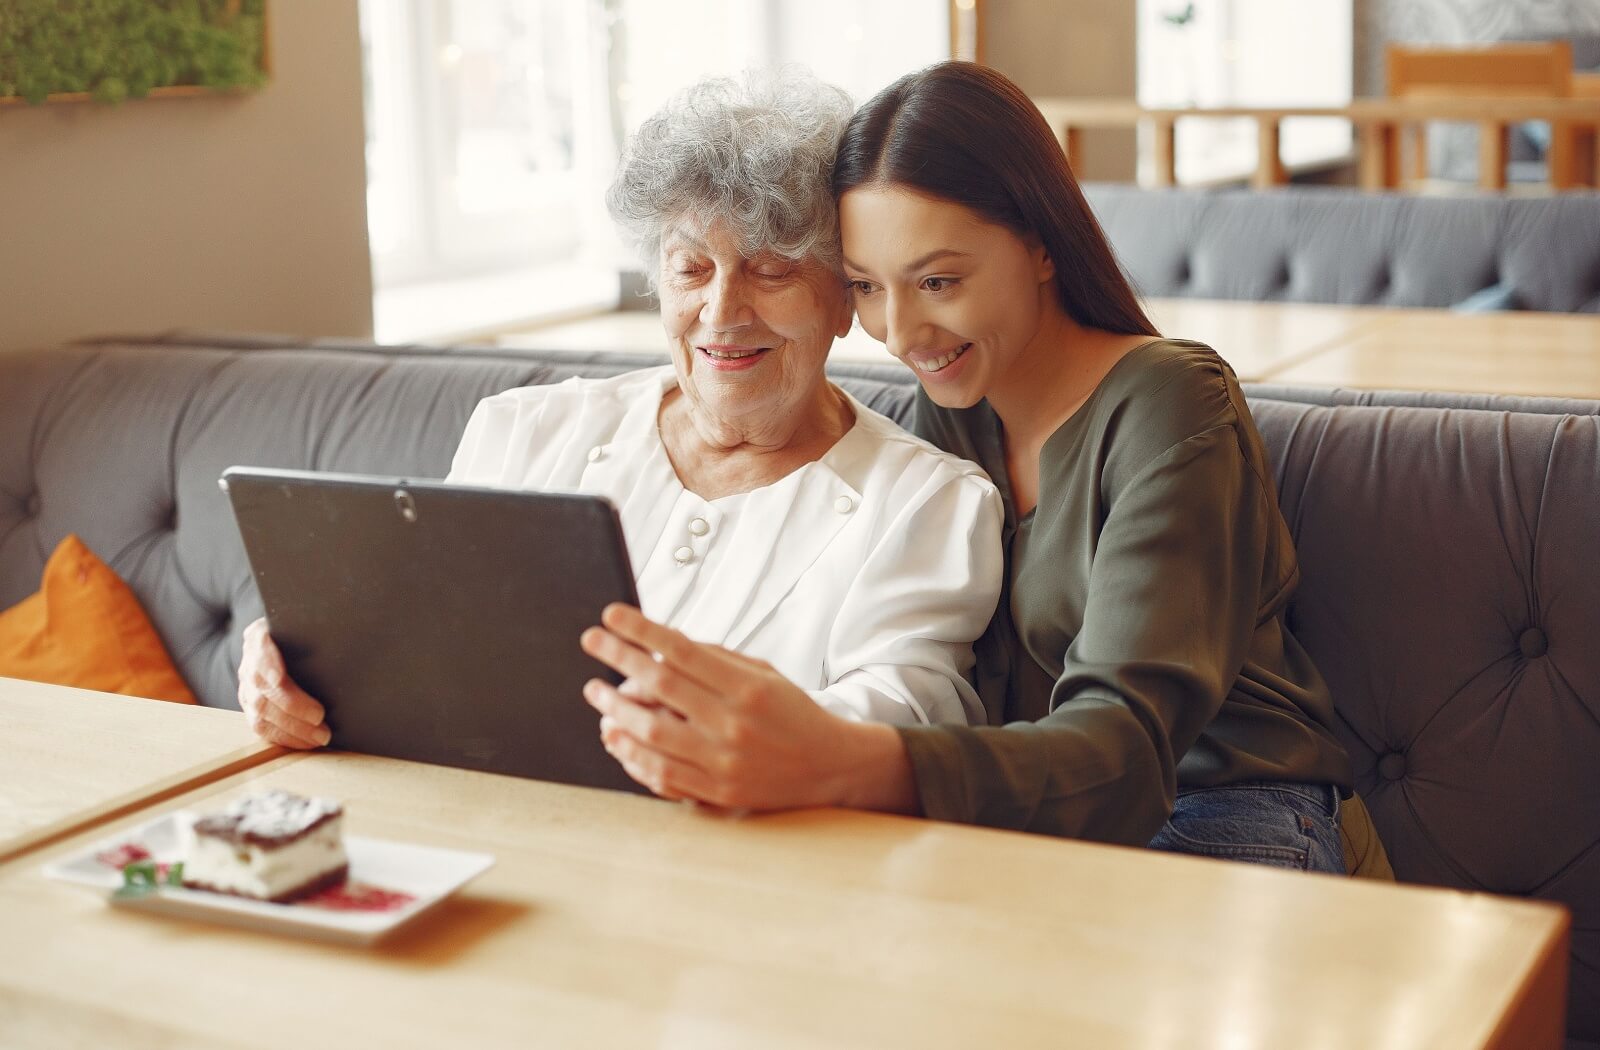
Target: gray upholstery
point(1324, 245)
point(1451, 593)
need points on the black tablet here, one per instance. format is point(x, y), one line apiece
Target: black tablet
point(440, 622)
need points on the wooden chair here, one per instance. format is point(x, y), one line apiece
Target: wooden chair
point(1585, 143)
point(1536, 70)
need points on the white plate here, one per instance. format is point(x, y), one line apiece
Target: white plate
point(426, 874)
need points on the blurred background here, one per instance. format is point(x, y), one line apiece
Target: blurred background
point(433, 170)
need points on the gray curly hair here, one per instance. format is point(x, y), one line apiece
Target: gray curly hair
point(755, 154)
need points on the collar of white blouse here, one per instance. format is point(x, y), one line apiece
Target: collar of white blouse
point(767, 538)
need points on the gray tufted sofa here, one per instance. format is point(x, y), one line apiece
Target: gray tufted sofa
point(1324, 245)
point(1451, 592)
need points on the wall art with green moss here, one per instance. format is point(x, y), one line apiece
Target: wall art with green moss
point(111, 50)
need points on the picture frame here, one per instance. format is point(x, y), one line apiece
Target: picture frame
point(255, 20)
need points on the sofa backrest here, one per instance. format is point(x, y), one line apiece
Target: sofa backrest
point(1450, 594)
point(1327, 245)
point(1450, 590)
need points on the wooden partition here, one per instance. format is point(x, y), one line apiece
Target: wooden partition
point(1574, 159)
point(1538, 70)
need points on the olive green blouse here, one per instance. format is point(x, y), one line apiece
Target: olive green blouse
point(1139, 645)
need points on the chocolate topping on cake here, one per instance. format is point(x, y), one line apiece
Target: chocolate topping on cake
point(268, 819)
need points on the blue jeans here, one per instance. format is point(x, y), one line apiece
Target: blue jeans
point(1281, 825)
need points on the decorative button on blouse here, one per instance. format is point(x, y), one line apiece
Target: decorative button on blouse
point(683, 555)
point(699, 527)
point(844, 504)
point(596, 453)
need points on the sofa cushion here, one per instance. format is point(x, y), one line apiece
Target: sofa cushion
point(1450, 597)
point(1330, 245)
point(1488, 300)
point(85, 628)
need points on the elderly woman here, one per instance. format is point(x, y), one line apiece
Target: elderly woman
point(767, 511)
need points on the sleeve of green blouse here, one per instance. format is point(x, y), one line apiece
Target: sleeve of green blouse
point(1174, 592)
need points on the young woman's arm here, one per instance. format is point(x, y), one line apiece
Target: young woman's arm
point(1174, 593)
point(701, 722)
point(1173, 606)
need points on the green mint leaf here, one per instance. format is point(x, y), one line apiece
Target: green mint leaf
point(144, 877)
point(129, 892)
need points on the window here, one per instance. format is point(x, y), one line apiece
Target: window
point(862, 47)
point(493, 127)
point(475, 133)
point(1247, 53)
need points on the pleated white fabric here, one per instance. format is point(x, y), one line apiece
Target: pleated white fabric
point(863, 577)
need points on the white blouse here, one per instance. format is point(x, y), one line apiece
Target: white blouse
point(863, 577)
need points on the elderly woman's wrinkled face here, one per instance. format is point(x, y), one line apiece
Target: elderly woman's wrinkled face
point(749, 335)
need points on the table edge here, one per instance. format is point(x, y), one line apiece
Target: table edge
point(149, 794)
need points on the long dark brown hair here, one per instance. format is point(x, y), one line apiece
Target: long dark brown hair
point(963, 133)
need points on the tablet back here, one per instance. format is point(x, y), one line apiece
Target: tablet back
point(440, 623)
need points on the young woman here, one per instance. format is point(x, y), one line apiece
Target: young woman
point(1143, 686)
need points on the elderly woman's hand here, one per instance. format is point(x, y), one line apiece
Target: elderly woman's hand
point(697, 721)
point(279, 711)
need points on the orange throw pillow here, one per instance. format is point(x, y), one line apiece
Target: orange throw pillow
point(85, 628)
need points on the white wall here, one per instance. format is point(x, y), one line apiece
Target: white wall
point(240, 212)
point(1071, 47)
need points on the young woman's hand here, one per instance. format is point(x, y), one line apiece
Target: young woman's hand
point(279, 711)
point(696, 721)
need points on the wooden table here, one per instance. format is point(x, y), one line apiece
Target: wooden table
point(1380, 348)
point(1373, 347)
point(1255, 337)
point(74, 758)
point(613, 920)
point(1259, 339)
point(639, 331)
point(1318, 344)
point(1555, 355)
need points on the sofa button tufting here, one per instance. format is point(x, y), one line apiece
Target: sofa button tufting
point(32, 505)
point(1392, 766)
point(1533, 643)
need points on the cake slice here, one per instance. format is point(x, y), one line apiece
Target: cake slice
point(275, 846)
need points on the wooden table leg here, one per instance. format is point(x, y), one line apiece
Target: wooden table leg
point(1562, 161)
point(1164, 151)
point(1573, 161)
point(1072, 145)
point(1269, 163)
point(1380, 156)
point(1416, 136)
point(1493, 137)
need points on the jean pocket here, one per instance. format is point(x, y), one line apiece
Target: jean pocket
point(1251, 824)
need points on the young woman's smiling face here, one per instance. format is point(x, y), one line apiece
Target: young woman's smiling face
point(955, 297)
